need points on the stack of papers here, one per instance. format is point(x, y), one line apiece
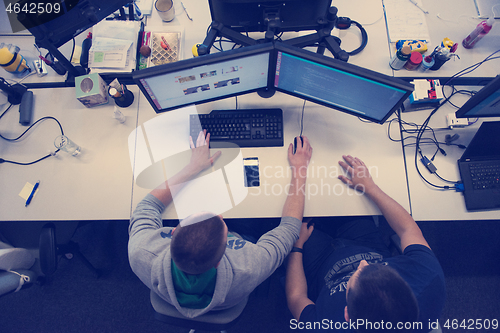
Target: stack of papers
point(405, 20)
point(114, 45)
point(109, 53)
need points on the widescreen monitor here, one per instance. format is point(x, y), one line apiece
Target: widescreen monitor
point(485, 103)
point(206, 78)
point(254, 15)
point(336, 84)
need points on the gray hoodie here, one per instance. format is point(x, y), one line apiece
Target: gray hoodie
point(242, 268)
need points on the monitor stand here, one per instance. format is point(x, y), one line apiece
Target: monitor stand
point(73, 71)
point(322, 39)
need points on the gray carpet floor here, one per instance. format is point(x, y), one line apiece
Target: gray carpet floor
point(73, 300)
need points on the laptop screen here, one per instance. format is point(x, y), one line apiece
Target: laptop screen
point(485, 144)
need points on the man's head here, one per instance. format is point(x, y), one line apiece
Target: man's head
point(197, 247)
point(377, 292)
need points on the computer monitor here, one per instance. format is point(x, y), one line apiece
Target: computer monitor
point(59, 21)
point(337, 84)
point(485, 103)
point(207, 78)
point(254, 15)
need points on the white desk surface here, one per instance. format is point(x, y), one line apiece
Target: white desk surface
point(332, 134)
point(94, 185)
point(428, 203)
point(455, 20)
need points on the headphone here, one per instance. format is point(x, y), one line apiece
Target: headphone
point(344, 23)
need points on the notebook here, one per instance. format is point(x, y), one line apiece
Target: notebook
point(480, 168)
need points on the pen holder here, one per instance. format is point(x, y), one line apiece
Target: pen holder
point(122, 98)
point(439, 61)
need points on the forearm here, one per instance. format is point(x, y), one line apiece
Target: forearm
point(397, 217)
point(164, 193)
point(296, 285)
point(294, 204)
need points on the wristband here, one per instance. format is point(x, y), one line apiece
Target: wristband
point(297, 249)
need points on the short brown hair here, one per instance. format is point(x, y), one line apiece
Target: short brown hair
point(380, 293)
point(197, 247)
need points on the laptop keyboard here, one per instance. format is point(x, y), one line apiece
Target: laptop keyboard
point(485, 175)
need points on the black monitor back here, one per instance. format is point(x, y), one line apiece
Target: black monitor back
point(249, 15)
point(75, 17)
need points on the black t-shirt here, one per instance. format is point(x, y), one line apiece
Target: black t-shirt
point(418, 266)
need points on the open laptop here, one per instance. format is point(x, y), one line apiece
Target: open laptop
point(480, 168)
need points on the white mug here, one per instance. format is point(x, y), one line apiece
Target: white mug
point(165, 9)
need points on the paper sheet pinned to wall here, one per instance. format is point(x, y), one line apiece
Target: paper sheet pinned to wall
point(404, 20)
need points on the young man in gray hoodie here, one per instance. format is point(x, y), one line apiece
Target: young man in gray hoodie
point(185, 268)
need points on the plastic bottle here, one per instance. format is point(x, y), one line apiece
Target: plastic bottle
point(427, 63)
point(400, 58)
point(475, 36)
point(414, 61)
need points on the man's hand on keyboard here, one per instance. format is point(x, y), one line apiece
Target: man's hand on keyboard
point(200, 157)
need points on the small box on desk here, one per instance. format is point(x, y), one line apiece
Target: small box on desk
point(91, 90)
point(427, 94)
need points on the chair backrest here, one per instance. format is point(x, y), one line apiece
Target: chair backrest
point(211, 321)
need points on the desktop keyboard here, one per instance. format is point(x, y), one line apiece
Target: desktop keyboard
point(245, 128)
point(485, 175)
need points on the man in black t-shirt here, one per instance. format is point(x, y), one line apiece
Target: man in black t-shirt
point(352, 283)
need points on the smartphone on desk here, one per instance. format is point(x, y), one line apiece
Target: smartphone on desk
point(251, 165)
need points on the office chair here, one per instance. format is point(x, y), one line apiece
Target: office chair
point(212, 321)
point(41, 237)
point(50, 250)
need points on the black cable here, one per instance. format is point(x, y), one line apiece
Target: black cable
point(8, 108)
point(22, 134)
point(302, 119)
point(364, 39)
point(73, 50)
point(28, 163)
point(469, 70)
point(36, 122)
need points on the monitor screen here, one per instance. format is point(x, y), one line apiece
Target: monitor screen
point(337, 84)
point(485, 103)
point(206, 78)
point(249, 15)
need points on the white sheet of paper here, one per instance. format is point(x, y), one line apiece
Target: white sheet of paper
point(405, 20)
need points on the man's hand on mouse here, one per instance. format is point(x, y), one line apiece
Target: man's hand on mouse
point(300, 160)
point(200, 156)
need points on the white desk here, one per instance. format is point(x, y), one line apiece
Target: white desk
point(428, 203)
point(332, 134)
point(94, 185)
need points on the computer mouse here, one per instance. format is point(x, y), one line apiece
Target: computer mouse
point(295, 143)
